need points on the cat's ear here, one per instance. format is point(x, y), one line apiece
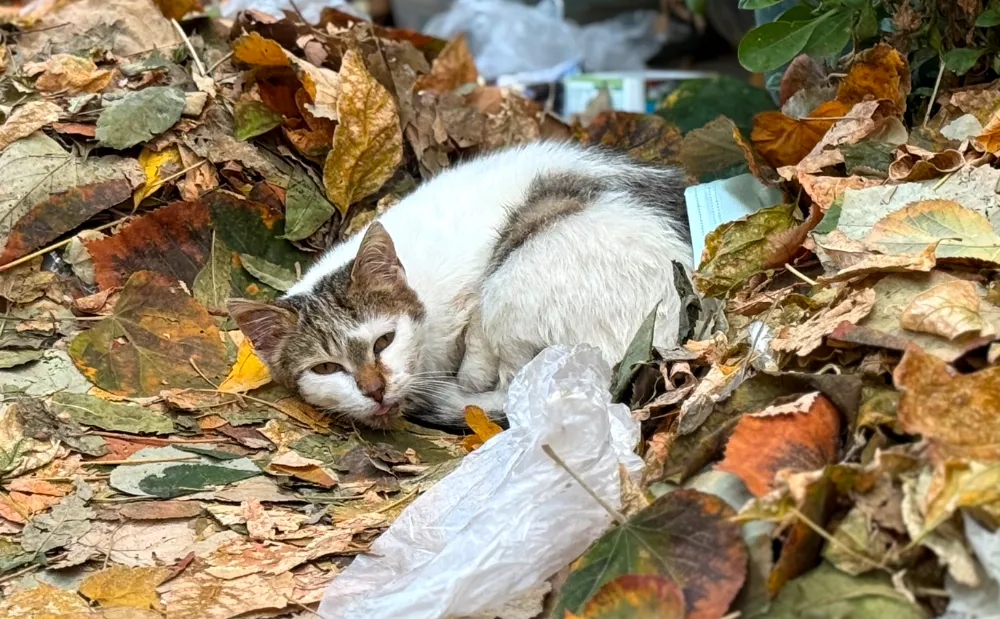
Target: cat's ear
point(263, 323)
point(377, 267)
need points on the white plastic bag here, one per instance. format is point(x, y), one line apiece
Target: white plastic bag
point(509, 38)
point(311, 9)
point(508, 517)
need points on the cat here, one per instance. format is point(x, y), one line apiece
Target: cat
point(443, 298)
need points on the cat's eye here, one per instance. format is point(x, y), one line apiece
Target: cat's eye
point(327, 368)
point(383, 342)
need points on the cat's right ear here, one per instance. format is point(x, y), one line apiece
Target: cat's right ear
point(376, 266)
point(263, 323)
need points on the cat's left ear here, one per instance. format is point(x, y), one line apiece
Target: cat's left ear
point(377, 267)
point(264, 324)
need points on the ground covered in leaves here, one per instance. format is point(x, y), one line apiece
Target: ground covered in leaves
point(825, 439)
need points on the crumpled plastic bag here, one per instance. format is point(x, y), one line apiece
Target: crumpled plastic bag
point(508, 517)
point(508, 38)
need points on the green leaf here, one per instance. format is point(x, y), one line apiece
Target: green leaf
point(306, 207)
point(139, 116)
point(832, 36)
point(961, 59)
point(867, 25)
point(990, 17)
point(639, 351)
point(184, 479)
point(211, 285)
point(694, 103)
point(828, 593)
point(253, 228)
point(275, 276)
point(696, 6)
point(13, 358)
point(686, 535)
point(636, 596)
point(798, 13)
point(769, 46)
point(751, 5)
point(97, 412)
point(253, 118)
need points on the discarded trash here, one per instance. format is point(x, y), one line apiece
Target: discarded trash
point(508, 517)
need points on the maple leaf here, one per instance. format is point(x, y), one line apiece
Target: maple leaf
point(368, 142)
point(483, 429)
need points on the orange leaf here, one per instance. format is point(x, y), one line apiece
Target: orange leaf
point(453, 67)
point(256, 50)
point(878, 73)
point(636, 596)
point(480, 423)
point(988, 139)
point(801, 436)
point(784, 140)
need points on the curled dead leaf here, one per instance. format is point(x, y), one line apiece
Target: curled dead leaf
point(950, 310)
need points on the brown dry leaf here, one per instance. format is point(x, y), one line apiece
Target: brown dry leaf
point(451, 68)
point(823, 190)
point(802, 72)
point(959, 414)
point(645, 137)
point(69, 74)
point(125, 586)
point(27, 119)
point(180, 232)
point(368, 142)
point(950, 310)
point(256, 50)
point(176, 9)
point(804, 338)
point(19, 506)
point(800, 436)
point(41, 600)
point(989, 139)
point(916, 164)
point(248, 372)
point(784, 140)
point(483, 429)
point(198, 595)
point(856, 260)
point(240, 557)
point(877, 73)
point(160, 510)
point(306, 469)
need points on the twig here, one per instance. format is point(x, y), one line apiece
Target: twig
point(930, 104)
point(219, 62)
point(611, 510)
point(832, 540)
point(18, 574)
point(200, 373)
point(801, 275)
point(149, 440)
point(34, 30)
point(944, 180)
point(829, 118)
point(141, 461)
point(4, 319)
point(187, 41)
point(45, 250)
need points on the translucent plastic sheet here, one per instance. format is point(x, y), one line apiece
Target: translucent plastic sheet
point(508, 517)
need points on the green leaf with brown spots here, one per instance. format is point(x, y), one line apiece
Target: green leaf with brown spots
point(152, 341)
point(253, 228)
point(645, 137)
point(686, 535)
point(253, 118)
point(97, 412)
point(635, 596)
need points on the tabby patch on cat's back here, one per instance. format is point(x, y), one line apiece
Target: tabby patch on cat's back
point(440, 301)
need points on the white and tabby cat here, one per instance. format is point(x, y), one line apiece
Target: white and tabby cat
point(449, 293)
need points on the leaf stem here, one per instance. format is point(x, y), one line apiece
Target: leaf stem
point(619, 518)
point(801, 275)
point(187, 42)
point(45, 250)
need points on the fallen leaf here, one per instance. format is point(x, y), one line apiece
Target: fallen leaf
point(877, 73)
point(254, 49)
point(957, 413)
point(18, 452)
point(241, 557)
point(800, 436)
point(368, 142)
point(306, 469)
point(253, 228)
point(306, 208)
point(273, 275)
point(68, 521)
point(177, 478)
point(453, 67)
point(950, 310)
point(248, 372)
point(783, 140)
point(828, 593)
point(253, 118)
point(69, 74)
point(176, 9)
point(173, 240)
point(988, 139)
point(160, 510)
point(483, 429)
point(856, 264)
point(823, 190)
point(634, 596)
point(93, 411)
point(153, 341)
point(125, 586)
point(708, 565)
point(916, 164)
point(139, 116)
point(645, 137)
point(961, 233)
point(27, 119)
point(198, 595)
point(157, 166)
point(43, 600)
point(212, 285)
point(804, 338)
point(13, 358)
point(958, 484)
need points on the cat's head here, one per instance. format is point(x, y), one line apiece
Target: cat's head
point(350, 345)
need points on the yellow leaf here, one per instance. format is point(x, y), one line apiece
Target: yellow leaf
point(962, 234)
point(41, 600)
point(256, 50)
point(157, 166)
point(249, 372)
point(480, 423)
point(125, 586)
point(988, 139)
point(368, 143)
point(950, 310)
point(176, 9)
point(880, 72)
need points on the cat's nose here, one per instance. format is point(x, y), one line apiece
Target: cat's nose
point(371, 383)
point(377, 393)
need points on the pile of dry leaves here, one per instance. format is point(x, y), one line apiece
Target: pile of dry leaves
point(826, 438)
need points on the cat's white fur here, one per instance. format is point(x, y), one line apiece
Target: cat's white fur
point(592, 277)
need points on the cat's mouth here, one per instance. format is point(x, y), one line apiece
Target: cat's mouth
point(386, 408)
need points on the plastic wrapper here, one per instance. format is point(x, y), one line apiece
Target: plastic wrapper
point(510, 38)
point(508, 517)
